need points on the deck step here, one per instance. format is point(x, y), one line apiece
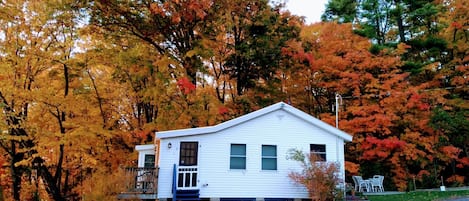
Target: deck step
point(188, 195)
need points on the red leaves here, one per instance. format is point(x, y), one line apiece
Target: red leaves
point(185, 85)
point(375, 148)
point(463, 162)
point(296, 51)
point(418, 101)
point(456, 25)
point(222, 110)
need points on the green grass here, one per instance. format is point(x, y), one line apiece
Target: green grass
point(420, 196)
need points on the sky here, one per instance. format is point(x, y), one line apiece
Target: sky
point(311, 9)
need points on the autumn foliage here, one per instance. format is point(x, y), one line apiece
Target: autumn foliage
point(83, 82)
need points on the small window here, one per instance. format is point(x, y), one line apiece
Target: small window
point(269, 157)
point(320, 150)
point(149, 161)
point(238, 156)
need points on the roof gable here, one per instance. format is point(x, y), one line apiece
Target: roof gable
point(247, 117)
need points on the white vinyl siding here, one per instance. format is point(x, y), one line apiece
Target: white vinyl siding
point(145, 154)
point(217, 180)
point(269, 157)
point(238, 156)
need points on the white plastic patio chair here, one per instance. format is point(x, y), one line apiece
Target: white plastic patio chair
point(377, 183)
point(361, 184)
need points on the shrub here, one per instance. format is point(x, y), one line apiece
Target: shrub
point(320, 178)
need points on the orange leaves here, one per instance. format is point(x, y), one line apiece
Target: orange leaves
point(352, 168)
point(156, 9)
point(178, 10)
point(456, 179)
point(463, 75)
point(450, 151)
point(2, 164)
point(402, 48)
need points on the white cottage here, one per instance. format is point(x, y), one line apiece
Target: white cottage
point(244, 158)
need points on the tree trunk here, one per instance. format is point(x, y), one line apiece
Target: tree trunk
point(1, 194)
point(15, 172)
point(400, 25)
point(49, 182)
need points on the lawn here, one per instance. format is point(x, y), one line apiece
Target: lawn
point(420, 196)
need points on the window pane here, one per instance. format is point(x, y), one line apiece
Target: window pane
point(149, 161)
point(269, 157)
point(323, 156)
point(238, 149)
point(194, 179)
point(318, 148)
point(269, 163)
point(188, 153)
point(237, 162)
point(180, 179)
point(269, 150)
point(187, 180)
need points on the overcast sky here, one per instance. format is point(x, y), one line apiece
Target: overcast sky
point(311, 9)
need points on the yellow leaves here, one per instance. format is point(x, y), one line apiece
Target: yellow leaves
point(402, 48)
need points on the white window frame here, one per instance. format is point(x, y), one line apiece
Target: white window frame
point(238, 156)
point(269, 157)
point(319, 153)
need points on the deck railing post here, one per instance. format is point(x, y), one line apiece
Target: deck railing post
point(174, 182)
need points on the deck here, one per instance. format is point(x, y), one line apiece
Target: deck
point(140, 183)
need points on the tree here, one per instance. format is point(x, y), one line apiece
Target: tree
point(342, 11)
point(20, 66)
point(172, 27)
point(452, 124)
point(258, 33)
point(386, 115)
point(40, 83)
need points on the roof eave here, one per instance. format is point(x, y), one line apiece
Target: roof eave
point(218, 127)
point(292, 110)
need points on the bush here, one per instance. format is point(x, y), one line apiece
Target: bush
point(319, 177)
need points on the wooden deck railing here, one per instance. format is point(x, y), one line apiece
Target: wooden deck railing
point(141, 180)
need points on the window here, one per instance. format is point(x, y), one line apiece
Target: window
point(188, 153)
point(269, 157)
point(238, 156)
point(319, 149)
point(149, 161)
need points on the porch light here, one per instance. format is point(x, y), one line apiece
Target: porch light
point(169, 145)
